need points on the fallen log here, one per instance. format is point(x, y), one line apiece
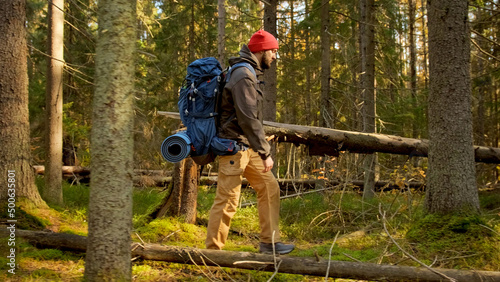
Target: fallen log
point(300, 183)
point(262, 262)
point(40, 169)
point(327, 141)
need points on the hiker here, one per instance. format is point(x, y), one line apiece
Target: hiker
point(241, 120)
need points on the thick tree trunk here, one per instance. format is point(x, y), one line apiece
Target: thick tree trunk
point(183, 197)
point(110, 207)
point(326, 141)
point(15, 155)
point(452, 173)
point(261, 262)
point(54, 104)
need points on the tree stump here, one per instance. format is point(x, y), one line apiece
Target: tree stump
point(184, 193)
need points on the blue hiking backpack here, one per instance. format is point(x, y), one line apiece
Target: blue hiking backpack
point(198, 103)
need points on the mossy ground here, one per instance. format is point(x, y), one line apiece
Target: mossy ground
point(311, 222)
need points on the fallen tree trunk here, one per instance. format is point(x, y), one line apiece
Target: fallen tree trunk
point(327, 141)
point(262, 262)
point(300, 183)
point(40, 169)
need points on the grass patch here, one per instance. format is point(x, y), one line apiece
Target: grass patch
point(145, 202)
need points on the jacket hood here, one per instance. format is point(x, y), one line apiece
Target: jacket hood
point(246, 56)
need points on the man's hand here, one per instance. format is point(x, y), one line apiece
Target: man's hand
point(268, 164)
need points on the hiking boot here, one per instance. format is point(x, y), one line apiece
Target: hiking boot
point(279, 248)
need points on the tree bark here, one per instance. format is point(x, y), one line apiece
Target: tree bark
point(52, 191)
point(221, 36)
point(192, 33)
point(15, 156)
point(325, 119)
point(413, 67)
point(110, 206)
point(270, 88)
point(452, 174)
point(182, 200)
point(367, 80)
point(327, 141)
point(254, 261)
point(270, 75)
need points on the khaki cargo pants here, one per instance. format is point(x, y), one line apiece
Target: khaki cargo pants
point(232, 169)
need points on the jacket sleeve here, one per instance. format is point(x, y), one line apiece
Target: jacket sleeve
point(246, 102)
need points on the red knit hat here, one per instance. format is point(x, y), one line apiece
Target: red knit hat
point(261, 41)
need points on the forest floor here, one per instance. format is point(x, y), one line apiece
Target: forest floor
point(310, 221)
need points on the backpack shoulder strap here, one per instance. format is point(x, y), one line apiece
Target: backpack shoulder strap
point(238, 65)
point(228, 76)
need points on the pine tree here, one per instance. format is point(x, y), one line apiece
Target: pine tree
point(110, 206)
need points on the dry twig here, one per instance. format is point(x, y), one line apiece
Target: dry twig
point(408, 254)
point(330, 256)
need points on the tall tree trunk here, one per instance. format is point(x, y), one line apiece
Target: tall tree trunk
point(413, 68)
point(191, 49)
point(15, 155)
point(451, 177)
point(270, 88)
point(308, 95)
point(424, 45)
point(221, 36)
point(325, 119)
point(110, 207)
point(271, 91)
point(54, 104)
point(367, 80)
point(355, 69)
point(481, 86)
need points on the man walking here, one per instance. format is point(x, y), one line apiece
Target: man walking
point(241, 120)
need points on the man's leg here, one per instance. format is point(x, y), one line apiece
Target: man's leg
point(226, 199)
point(268, 204)
point(268, 198)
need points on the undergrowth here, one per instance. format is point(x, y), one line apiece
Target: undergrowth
point(336, 223)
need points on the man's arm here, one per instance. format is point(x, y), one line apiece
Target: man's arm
point(246, 98)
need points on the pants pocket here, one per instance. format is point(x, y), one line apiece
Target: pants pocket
point(231, 165)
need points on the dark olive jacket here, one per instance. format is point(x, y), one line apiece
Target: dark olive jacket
point(241, 115)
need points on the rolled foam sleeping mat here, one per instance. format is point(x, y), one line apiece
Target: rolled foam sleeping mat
point(176, 147)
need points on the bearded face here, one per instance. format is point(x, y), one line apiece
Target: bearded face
point(268, 58)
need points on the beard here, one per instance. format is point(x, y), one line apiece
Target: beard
point(266, 61)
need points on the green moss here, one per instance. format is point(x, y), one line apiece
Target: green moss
point(489, 200)
point(24, 220)
point(434, 227)
point(173, 231)
point(46, 274)
point(466, 238)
